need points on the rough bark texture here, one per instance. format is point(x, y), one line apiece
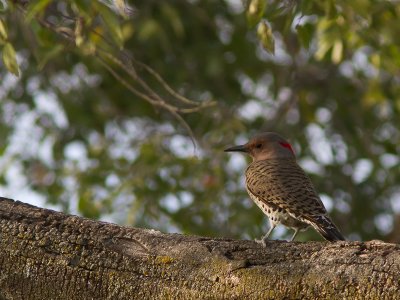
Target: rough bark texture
point(50, 255)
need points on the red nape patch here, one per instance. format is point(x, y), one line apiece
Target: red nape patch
point(287, 145)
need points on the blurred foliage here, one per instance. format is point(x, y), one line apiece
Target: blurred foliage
point(94, 123)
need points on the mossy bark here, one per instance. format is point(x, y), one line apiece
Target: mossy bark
point(50, 255)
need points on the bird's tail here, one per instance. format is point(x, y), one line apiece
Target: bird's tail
point(325, 227)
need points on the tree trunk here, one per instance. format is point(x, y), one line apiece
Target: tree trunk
point(50, 255)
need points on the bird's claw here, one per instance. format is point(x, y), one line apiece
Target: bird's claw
point(262, 242)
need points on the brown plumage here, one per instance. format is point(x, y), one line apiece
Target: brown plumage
point(281, 189)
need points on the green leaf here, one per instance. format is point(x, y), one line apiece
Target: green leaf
point(150, 28)
point(84, 9)
point(324, 45)
point(34, 8)
point(266, 37)
point(112, 22)
point(255, 12)
point(337, 52)
point(122, 8)
point(172, 15)
point(10, 60)
point(376, 60)
point(79, 38)
point(3, 5)
point(305, 34)
point(3, 33)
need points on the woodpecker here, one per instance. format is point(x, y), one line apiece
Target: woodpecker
point(282, 190)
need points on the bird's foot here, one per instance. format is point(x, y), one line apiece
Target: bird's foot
point(262, 242)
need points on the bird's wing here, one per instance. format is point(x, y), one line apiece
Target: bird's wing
point(285, 185)
point(325, 226)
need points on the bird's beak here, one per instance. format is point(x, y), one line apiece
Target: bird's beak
point(240, 148)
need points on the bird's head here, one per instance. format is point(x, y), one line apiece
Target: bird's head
point(266, 145)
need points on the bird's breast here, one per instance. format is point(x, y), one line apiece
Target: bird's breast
point(267, 209)
point(276, 214)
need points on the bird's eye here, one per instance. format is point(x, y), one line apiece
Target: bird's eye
point(258, 146)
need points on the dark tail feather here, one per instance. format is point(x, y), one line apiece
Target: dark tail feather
point(327, 228)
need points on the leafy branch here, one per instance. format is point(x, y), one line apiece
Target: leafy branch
point(93, 28)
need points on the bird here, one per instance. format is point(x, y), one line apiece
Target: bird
point(281, 188)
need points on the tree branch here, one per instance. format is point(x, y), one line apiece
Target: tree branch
point(114, 56)
point(51, 255)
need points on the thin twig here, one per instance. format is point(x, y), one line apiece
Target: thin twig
point(164, 84)
point(133, 74)
point(126, 84)
point(152, 97)
point(169, 108)
point(111, 57)
point(157, 76)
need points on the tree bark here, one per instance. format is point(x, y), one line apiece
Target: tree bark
point(51, 255)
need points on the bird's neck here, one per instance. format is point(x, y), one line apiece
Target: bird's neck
point(274, 158)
